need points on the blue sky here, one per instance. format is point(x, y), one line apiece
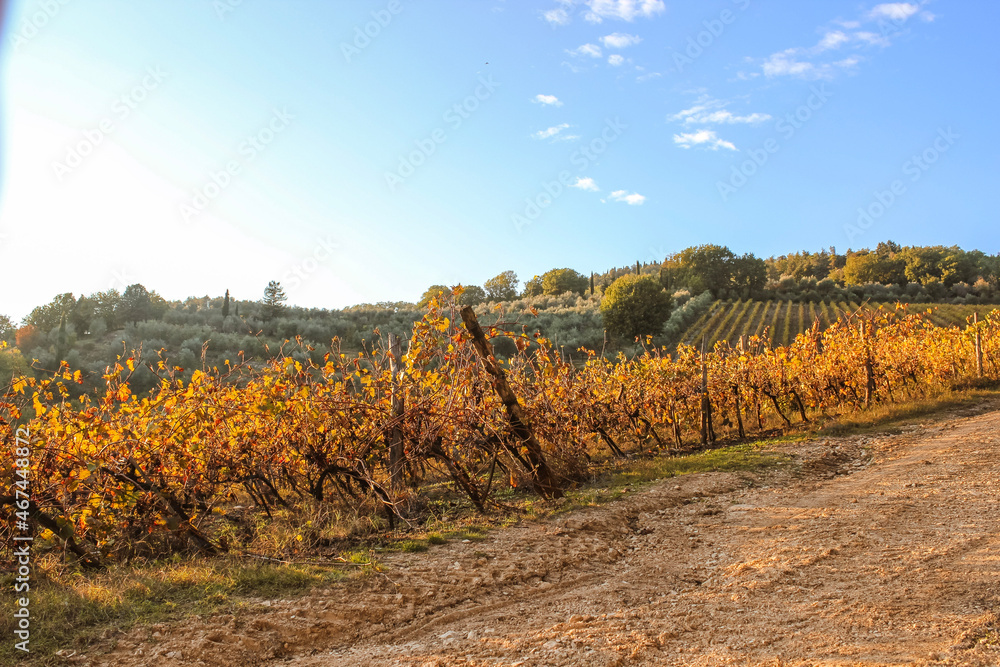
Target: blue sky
point(362, 151)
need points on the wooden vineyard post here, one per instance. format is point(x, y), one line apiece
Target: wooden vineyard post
point(707, 433)
point(396, 437)
point(869, 369)
point(736, 388)
point(676, 426)
point(541, 474)
point(979, 345)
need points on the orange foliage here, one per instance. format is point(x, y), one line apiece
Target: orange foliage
point(120, 472)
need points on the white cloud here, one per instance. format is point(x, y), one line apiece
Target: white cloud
point(871, 38)
point(585, 184)
point(894, 11)
point(785, 64)
point(721, 117)
point(832, 40)
point(711, 111)
point(806, 63)
point(849, 61)
point(620, 40)
point(550, 132)
point(630, 198)
point(592, 50)
point(623, 10)
point(647, 77)
point(706, 138)
point(548, 100)
point(557, 16)
point(726, 117)
point(615, 60)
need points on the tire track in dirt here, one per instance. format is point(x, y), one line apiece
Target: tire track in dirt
point(878, 550)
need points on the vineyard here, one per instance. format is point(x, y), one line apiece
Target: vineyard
point(781, 321)
point(202, 464)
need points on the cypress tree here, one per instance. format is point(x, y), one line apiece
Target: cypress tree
point(62, 340)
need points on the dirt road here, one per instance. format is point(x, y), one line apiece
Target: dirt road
point(878, 550)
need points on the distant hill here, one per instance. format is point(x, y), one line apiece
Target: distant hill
point(715, 293)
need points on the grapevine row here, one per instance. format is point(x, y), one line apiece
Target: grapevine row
point(119, 474)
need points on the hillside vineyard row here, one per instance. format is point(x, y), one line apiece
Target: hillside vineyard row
point(121, 474)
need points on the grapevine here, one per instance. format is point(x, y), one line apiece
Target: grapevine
point(120, 475)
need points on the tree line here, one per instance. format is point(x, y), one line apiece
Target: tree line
point(598, 310)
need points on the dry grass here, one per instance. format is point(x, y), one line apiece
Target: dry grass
point(71, 610)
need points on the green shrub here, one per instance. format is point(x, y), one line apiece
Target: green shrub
point(635, 306)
